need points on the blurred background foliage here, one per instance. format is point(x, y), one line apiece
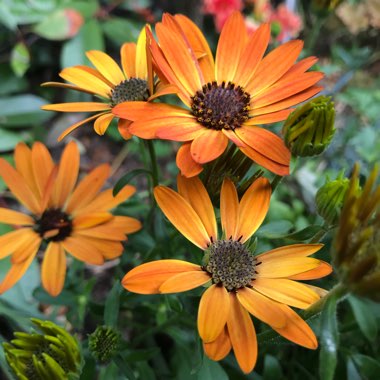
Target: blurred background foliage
point(38, 38)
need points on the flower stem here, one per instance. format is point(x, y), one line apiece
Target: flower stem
point(320, 234)
point(153, 161)
point(276, 180)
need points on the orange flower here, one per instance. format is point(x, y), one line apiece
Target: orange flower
point(68, 219)
point(227, 99)
point(238, 283)
point(112, 84)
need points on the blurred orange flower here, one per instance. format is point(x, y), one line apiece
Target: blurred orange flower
point(227, 99)
point(68, 218)
point(238, 283)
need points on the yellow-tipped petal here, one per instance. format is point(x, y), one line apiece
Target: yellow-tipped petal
point(213, 312)
point(193, 190)
point(141, 54)
point(261, 307)
point(229, 208)
point(147, 278)
point(182, 216)
point(322, 270)
point(253, 208)
point(53, 270)
point(242, 335)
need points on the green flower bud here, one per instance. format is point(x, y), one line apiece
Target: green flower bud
point(329, 199)
point(51, 354)
point(310, 128)
point(104, 343)
point(356, 248)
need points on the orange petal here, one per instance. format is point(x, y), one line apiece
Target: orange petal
point(252, 54)
point(213, 312)
point(193, 190)
point(286, 267)
point(261, 307)
point(269, 118)
point(102, 122)
point(182, 59)
point(176, 128)
point(185, 162)
point(126, 223)
point(199, 44)
point(265, 142)
point(182, 216)
point(42, 165)
point(297, 330)
point(53, 270)
point(286, 291)
point(242, 335)
point(15, 217)
point(231, 44)
point(110, 249)
point(289, 251)
point(106, 66)
point(128, 59)
point(67, 175)
point(123, 127)
point(262, 160)
point(320, 291)
point(67, 86)
point(18, 187)
point(208, 146)
point(11, 241)
point(274, 66)
point(15, 273)
point(322, 270)
point(229, 208)
point(253, 208)
point(78, 124)
point(219, 348)
point(77, 107)
point(86, 80)
point(79, 249)
point(184, 281)
point(141, 56)
point(90, 220)
point(29, 246)
point(87, 189)
point(147, 278)
point(163, 89)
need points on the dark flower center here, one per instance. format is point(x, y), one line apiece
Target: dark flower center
point(224, 106)
point(231, 264)
point(133, 89)
point(54, 225)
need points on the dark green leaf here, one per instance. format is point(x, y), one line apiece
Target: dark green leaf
point(20, 59)
point(120, 30)
point(329, 340)
point(364, 317)
point(124, 367)
point(112, 305)
point(211, 370)
point(126, 179)
point(9, 139)
point(275, 230)
point(22, 110)
point(368, 367)
point(9, 82)
point(304, 234)
point(352, 372)
point(272, 368)
point(140, 355)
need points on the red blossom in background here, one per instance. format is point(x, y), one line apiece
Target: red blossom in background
point(221, 9)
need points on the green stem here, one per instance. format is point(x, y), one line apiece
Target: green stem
point(276, 180)
point(320, 234)
point(339, 292)
point(153, 161)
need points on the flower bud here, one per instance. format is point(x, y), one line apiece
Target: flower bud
point(309, 129)
point(104, 343)
point(329, 199)
point(357, 242)
point(51, 354)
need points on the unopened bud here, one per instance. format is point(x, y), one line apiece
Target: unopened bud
point(104, 343)
point(309, 129)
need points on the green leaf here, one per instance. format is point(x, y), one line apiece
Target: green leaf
point(9, 139)
point(112, 306)
point(22, 110)
point(272, 368)
point(364, 317)
point(126, 179)
point(368, 367)
point(124, 367)
point(352, 372)
point(9, 82)
point(275, 230)
point(90, 37)
point(329, 340)
point(304, 234)
point(211, 370)
point(120, 30)
point(59, 25)
point(20, 59)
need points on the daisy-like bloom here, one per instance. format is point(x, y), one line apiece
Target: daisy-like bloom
point(225, 100)
point(112, 84)
point(238, 283)
point(61, 217)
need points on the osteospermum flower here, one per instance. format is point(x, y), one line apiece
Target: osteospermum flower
point(238, 283)
point(112, 84)
point(225, 100)
point(61, 217)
